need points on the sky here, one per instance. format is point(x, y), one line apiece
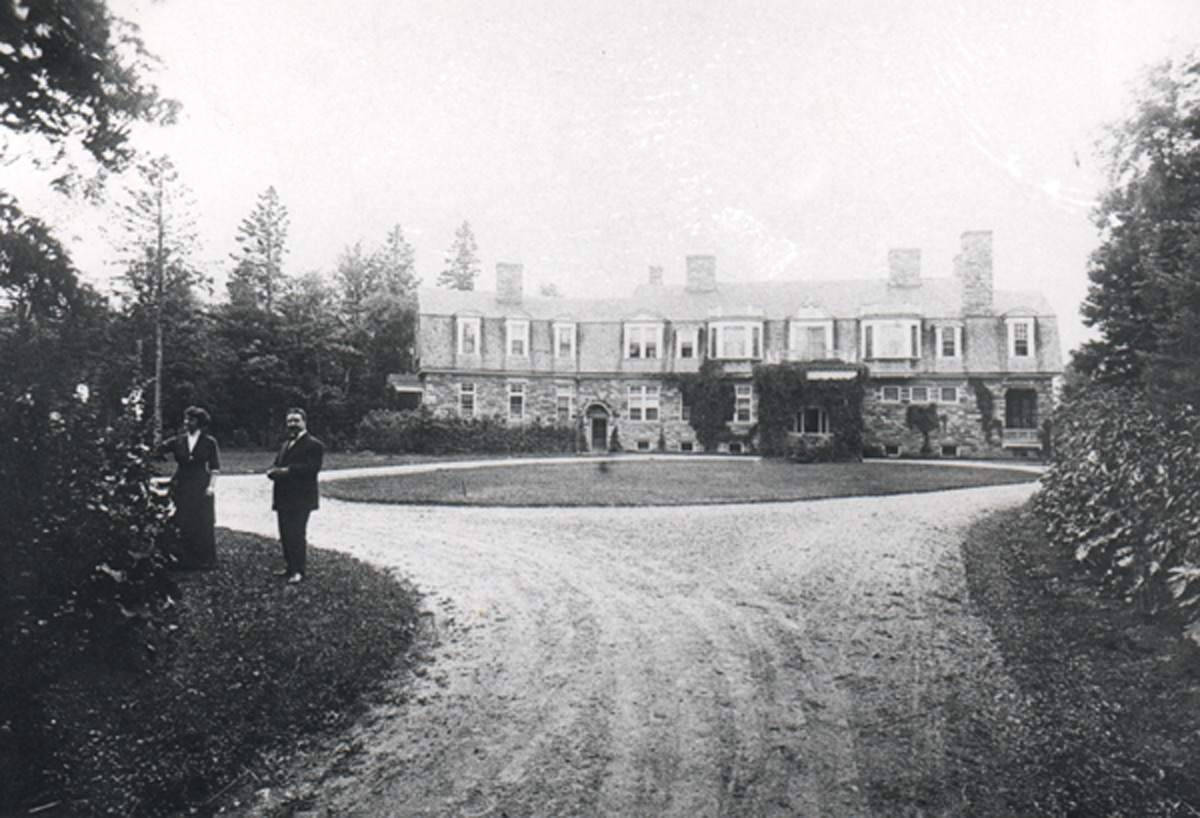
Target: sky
point(792, 139)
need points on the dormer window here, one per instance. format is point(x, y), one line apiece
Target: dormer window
point(1020, 337)
point(736, 340)
point(687, 342)
point(885, 339)
point(810, 340)
point(468, 335)
point(949, 341)
point(564, 339)
point(517, 334)
point(643, 340)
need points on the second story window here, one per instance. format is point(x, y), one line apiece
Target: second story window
point(740, 340)
point(687, 343)
point(949, 341)
point(810, 340)
point(518, 338)
point(1020, 337)
point(642, 340)
point(891, 339)
point(564, 340)
point(468, 336)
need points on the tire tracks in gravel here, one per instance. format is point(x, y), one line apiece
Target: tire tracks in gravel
point(810, 658)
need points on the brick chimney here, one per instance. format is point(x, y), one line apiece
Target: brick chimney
point(656, 276)
point(701, 274)
point(904, 268)
point(973, 268)
point(509, 285)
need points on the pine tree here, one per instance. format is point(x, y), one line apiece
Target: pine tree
point(395, 265)
point(257, 277)
point(462, 265)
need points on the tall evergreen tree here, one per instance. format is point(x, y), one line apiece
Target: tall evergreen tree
point(462, 263)
point(1144, 297)
point(160, 275)
point(395, 263)
point(257, 277)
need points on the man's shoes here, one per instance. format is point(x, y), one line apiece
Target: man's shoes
point(282, 572)
point(295, 579)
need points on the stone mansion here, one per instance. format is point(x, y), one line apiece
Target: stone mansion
point(985, 360)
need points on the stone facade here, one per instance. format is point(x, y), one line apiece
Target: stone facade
point(606, 365)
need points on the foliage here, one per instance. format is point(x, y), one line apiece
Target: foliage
point(421, 432)
point(462, 262)
point(257, 276)
point(246, 667)
point(1144, 296)
point(711, 398)
point(925, 420)
point(71, 70)
point(784, 389)
point(986, 402)
point(1123, 494)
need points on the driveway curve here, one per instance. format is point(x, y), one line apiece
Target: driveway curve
point(810, 658)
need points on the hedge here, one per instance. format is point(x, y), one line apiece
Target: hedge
point(420, 432)
point(1123, 492)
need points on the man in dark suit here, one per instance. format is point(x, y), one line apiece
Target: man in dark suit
point(294, 494)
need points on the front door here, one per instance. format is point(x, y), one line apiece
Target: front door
point(599, 434)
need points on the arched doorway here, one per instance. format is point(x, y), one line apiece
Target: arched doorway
point(597, 426)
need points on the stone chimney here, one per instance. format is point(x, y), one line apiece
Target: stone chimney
point(509, 286)
point(973, 268)
point(904, 268)
point(701, 274)
point(656, 276)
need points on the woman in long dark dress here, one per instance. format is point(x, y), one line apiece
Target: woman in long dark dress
point(199, 462)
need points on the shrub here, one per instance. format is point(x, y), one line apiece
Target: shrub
point(420, 432)
point(1123, 492)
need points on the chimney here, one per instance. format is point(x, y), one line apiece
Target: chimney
point(904, 268)
point(508, 282)
point(656, 276)
point(701, 274)
point(973, 268)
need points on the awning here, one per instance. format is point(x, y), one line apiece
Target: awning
point(407, 384)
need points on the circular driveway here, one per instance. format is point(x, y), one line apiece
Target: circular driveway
point(808, 658)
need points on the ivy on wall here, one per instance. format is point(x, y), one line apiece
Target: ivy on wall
point(784, 389)
point(987, 409)
point(710, 396)
point(926, 421)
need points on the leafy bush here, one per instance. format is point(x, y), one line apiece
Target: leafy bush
point(1123, 492)
point(784, 389)
point(421, 432)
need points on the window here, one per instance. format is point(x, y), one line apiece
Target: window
point(812, 420)
point(810, 340)
point(643, 402)
point(564, 340)
point(518, 338)
point(920, 394)
point(687, 342)
point(891, 339)
point(466, 400)
point(949, 450)
point(468, 336)
point(642, 340)
point(685, 408)
point(949, 341)
point(741, 340)
point(743, 407)
point(516, 401)
point(565, 402)
point(686, 446)
point(643, 445)
point(890, 394)
point(948, 394)
point(1020, 337)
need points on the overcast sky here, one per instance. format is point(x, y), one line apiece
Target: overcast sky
point(589, 140)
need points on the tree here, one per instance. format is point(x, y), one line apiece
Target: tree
point(258, 274)
point(159, 274)
point(395, 265)
point(462, 265)
point(1144, 296)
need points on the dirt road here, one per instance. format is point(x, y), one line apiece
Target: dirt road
point(814, 658)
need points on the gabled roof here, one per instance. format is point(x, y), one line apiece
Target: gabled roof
point(931, 298)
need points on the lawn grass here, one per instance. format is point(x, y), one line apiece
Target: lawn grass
point(1109, 710)
point(644, 482)
point(256, 461)
point(244, 666)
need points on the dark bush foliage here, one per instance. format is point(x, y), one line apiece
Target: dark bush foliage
point(785, 389)
point(712, 400)
point(1123, 492)
point(420, 432)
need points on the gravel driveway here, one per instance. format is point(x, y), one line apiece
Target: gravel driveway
point(813, 658)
